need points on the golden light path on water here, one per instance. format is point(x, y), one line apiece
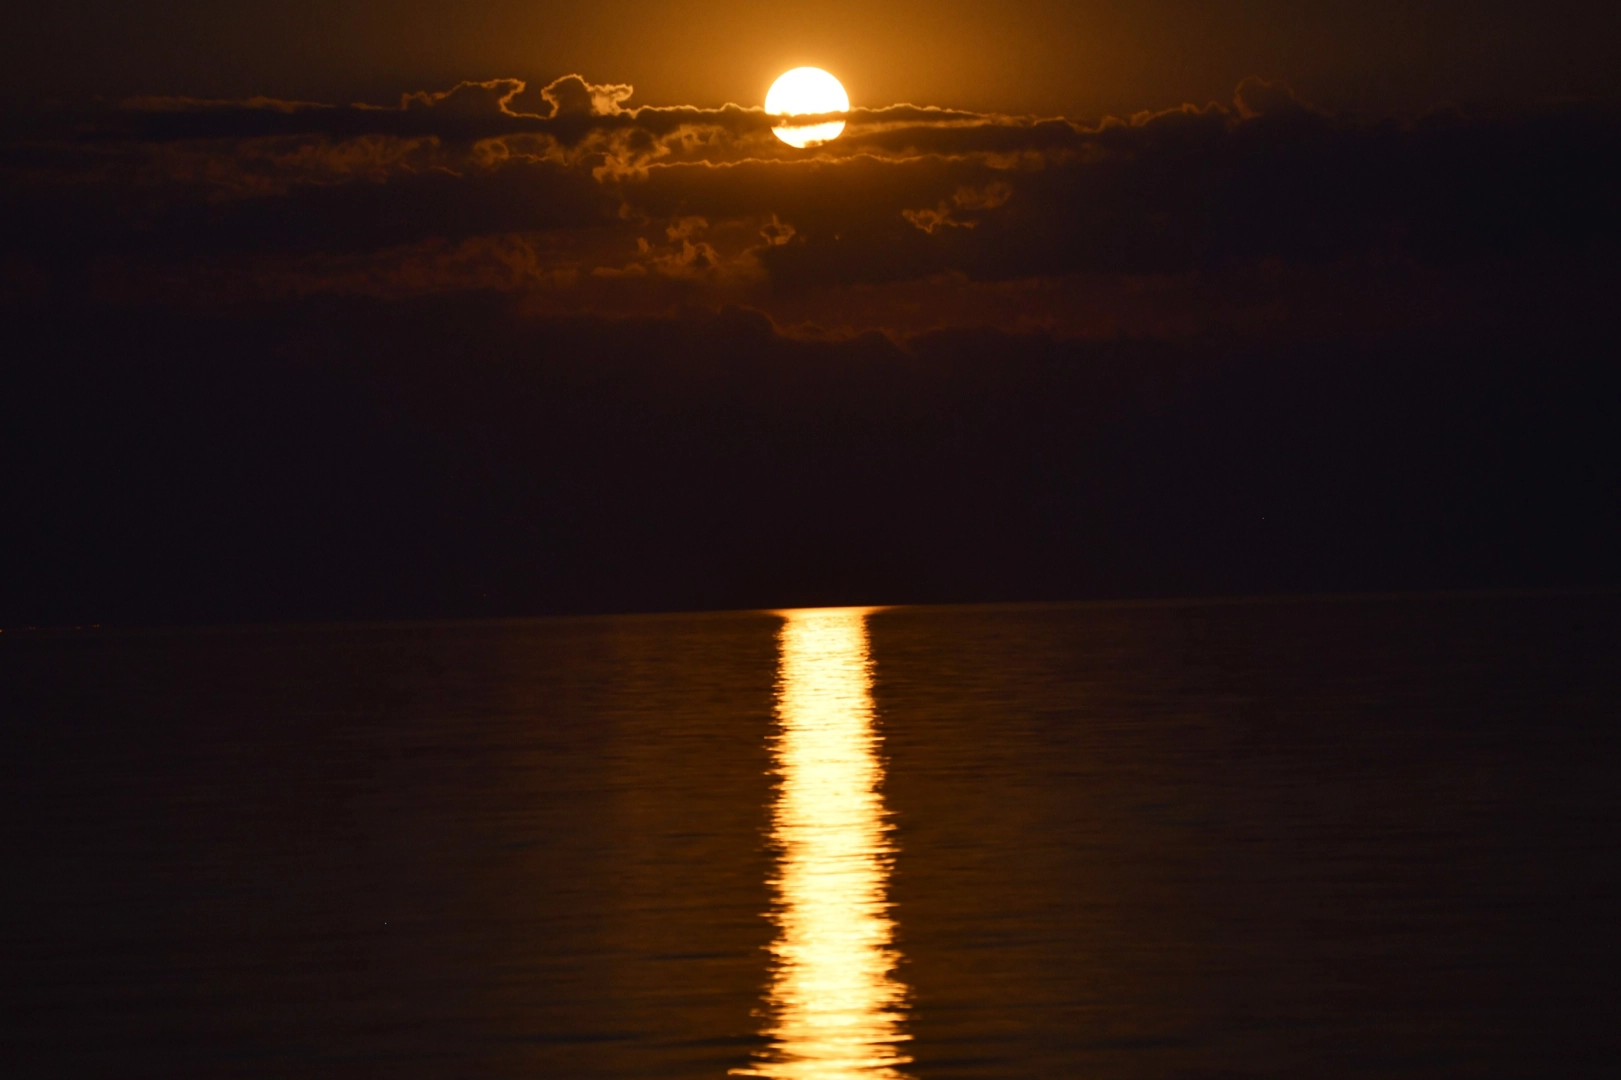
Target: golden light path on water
point(836, 1008)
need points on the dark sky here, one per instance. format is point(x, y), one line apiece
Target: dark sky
point(1158, 298)
point(1079, 58)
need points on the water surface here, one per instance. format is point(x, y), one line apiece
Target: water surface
point(1328, 838)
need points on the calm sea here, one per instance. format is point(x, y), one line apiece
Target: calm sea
point(1373, 837)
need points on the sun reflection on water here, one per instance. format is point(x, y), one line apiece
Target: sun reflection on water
point(836, 1008)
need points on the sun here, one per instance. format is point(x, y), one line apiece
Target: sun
point(802, 91)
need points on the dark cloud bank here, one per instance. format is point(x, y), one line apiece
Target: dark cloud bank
point(508, 350)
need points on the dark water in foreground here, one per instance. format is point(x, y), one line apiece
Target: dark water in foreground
point(1373, 837)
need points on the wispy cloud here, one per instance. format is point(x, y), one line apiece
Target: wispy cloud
point(572, 199)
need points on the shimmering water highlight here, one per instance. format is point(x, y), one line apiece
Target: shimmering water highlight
point(836, 1007)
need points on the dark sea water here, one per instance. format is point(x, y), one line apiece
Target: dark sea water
point(1372, 837)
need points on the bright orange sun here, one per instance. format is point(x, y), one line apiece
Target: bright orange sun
point(806, 91)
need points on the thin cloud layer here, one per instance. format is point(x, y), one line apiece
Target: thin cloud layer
point(574, 201)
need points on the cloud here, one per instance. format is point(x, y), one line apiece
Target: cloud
point(1256, 96)
point(962, 209)
point(573, 96)
point(584, 201)
point(468, 99)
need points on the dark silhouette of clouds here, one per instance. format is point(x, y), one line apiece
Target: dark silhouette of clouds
point(274, 359)
point(580, 196)
point(1258, 97)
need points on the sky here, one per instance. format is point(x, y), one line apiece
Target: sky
point(354, 310)
point(1080, 59)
